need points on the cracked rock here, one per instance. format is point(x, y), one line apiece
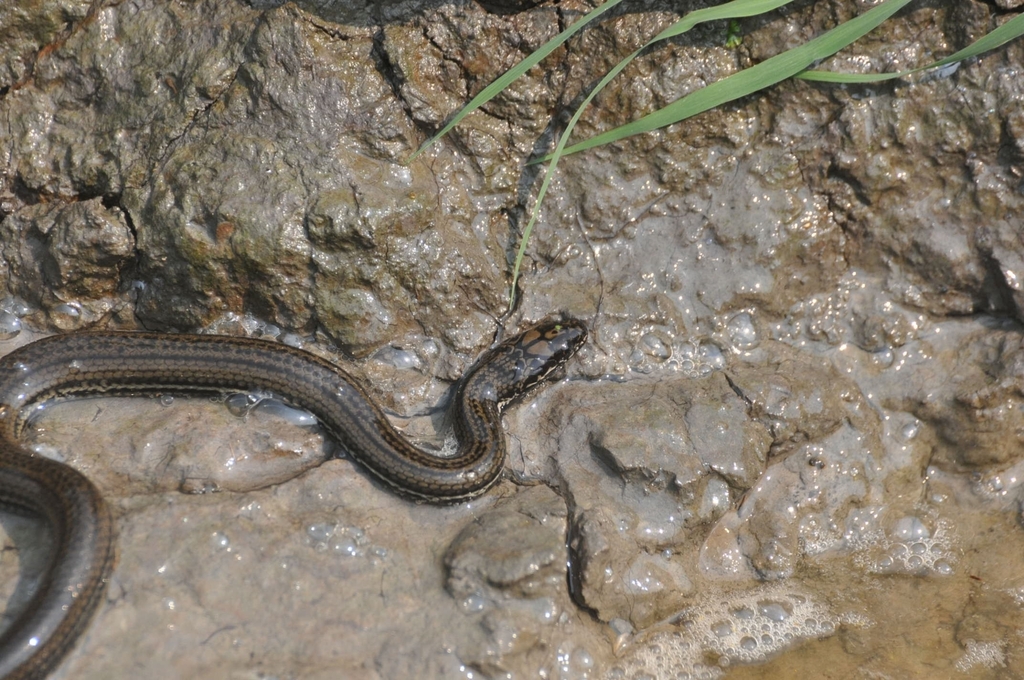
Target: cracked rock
point(983, 402)
point(516, 550)
point(643, 493)
point(507, 570)
point(68, 258)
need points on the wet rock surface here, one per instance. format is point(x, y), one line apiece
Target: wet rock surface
point(793, 440)
point(61, 256)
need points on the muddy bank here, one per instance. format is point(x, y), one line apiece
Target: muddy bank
point(795, 434)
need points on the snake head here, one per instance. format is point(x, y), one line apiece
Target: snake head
point(528, 358)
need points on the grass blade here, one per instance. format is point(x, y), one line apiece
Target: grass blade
point(1011, 30)
point(750, 80)
point(730, 10)
point(503, 81)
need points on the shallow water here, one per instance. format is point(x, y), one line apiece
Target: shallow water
point(886, 558)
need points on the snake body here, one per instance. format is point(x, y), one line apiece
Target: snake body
point(125, 362)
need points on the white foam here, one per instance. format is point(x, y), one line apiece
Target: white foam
point(745, 628)
point(909, 548)
point(985, 654)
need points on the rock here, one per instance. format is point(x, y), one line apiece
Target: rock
point(982, 413)
point(68, 259)
point(514, 551)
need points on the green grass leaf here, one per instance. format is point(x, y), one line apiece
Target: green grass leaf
point(489, 92)
point(1012, 29)
point(748, 81)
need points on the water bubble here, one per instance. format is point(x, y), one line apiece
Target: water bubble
point(240, 404)
point(16, 306)
point(722, 629)
point(910, 431)
point(399, 358)
point(883, 358)
point(474, 603)
point(320, 531)
point(773, 610)
point(10, 325)
point(349, 541)
point(72, 309)
point(292, 340)
point(655, 347)
point(910, 528)
point(347, 546)
point(279, 409)
point(711, 357)
point(251, 325)
point(581, 659)
point(742, 333)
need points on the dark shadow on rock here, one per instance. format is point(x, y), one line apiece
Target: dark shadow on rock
point(370, 13)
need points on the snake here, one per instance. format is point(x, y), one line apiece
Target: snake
point(126, 362)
